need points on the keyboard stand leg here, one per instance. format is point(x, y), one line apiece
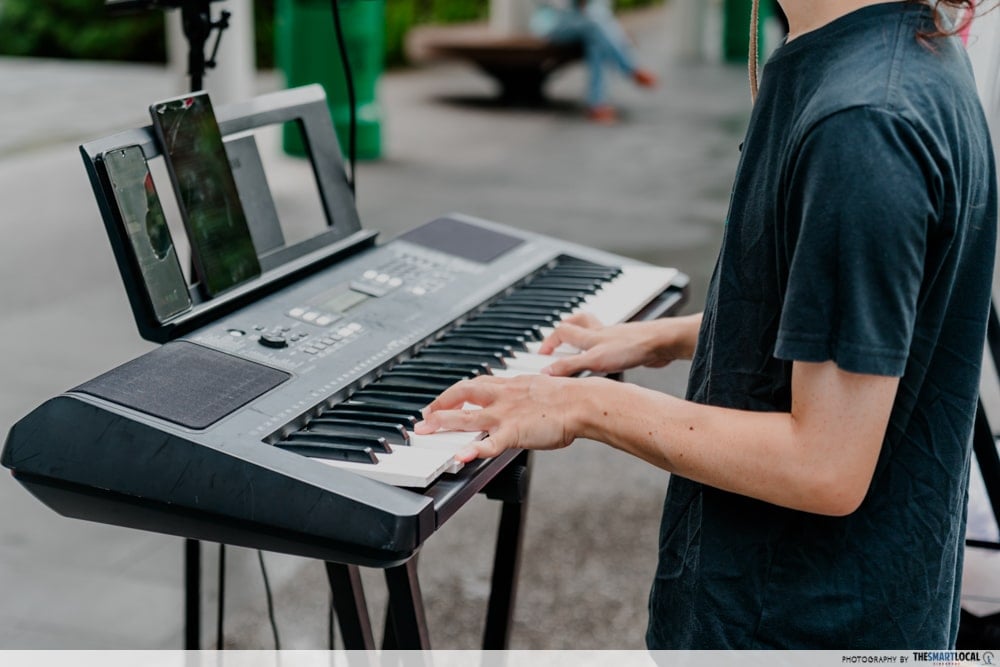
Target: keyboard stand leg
point(192, 595)
point(405, 623)
point(507, 558)
point(350, 606)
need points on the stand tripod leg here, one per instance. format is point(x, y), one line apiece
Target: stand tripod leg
point(406, 623)
point(350, 607)
point(192, 594)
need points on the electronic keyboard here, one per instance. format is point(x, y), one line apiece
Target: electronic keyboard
point(287, 424)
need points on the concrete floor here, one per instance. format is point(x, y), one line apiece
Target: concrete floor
point(654, 187)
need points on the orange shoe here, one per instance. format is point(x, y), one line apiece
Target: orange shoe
point(644, 78)
point(604, 114)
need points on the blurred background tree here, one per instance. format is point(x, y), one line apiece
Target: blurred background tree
point(83, 29)
point(78, 29)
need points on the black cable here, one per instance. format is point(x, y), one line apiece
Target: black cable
point(219, 639)
point(270, 601)
point(349, 80)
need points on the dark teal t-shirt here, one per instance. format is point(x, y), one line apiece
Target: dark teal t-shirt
point(861, 230)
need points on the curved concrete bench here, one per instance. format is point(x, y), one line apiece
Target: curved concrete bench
point(520, 63)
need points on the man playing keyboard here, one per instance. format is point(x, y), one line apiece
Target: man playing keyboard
point(820, 460)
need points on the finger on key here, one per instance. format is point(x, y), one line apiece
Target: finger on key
point(467, 391)
point(488, 447)
point(572, 334)
point(585, 320)
point(567, 366)
point(455, 420)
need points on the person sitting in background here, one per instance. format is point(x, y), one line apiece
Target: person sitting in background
point(604, 43)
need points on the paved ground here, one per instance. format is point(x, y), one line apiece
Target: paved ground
point(654, 187)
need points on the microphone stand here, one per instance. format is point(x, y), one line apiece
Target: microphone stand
point(196, 18)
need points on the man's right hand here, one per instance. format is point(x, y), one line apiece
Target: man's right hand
point(612, 349)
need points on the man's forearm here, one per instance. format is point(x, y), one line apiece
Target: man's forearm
point(770, 456)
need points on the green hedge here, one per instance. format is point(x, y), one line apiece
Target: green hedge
point(78, 29)
point(83, 29)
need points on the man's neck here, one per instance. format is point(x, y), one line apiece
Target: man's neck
point(808, 15)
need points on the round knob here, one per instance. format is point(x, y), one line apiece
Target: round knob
point(273, 340)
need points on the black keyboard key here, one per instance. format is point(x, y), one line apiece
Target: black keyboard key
point(332, 438)
point(430, 375)
point(322, 450)
point(572, 296)
point(582, 272)
point(572, 292)
point(491, 360)
point(501, 323)
point(384, 385)
point(468, 367)
point(507, 339)
point(414, 402)
point(380, 413)
point(525, 309)
point(365, 455)
point(554, 302)
point(394, 434)
point(469, 346)
point(533, 315)
point(573, 286)
point(417, 381)
point(494, 327)
point(511, 342)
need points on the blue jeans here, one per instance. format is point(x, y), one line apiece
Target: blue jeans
point(604, 41)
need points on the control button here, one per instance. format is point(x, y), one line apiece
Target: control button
point(345, 331)
point(319, 345)
point(297, 312)
point(329, 340)
point(353, 326)
point(418, 291)
point(370, 275)
point(273, 340)
point(395, 282)
point(310, 316)
point(371, 289)
point(382, 278)
point(324, 320)
point(309, 350)
point(236, 333)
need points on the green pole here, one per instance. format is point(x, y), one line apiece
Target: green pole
point(306, 50)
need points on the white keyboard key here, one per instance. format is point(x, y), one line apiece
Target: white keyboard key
point(526, 361)
point(628, 293)
point(564, 350)
point(405, 466)
point(447, 441)
point(512, 372)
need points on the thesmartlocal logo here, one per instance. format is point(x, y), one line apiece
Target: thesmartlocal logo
point(955, 657)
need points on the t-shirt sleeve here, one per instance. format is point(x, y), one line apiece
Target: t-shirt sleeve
point(859, 203)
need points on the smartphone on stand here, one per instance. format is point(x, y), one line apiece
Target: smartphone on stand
point(221, 246)
point(146, 227)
